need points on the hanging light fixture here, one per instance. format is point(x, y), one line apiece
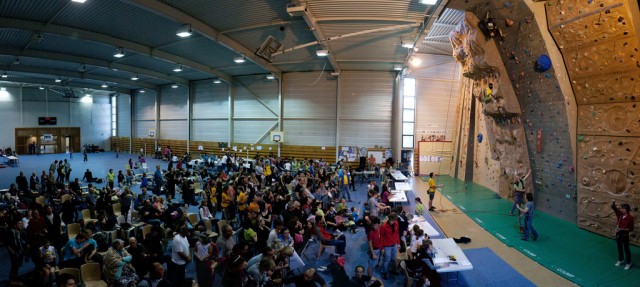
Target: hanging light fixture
point(104, 85)
point(397, 67)
point(135, 77)
point(142, 91)
point(58, 80)
point(174, 86)
point(240, 59)
point(217, 81)
point(184, 31)
point(271, 76)
point(119, 53)
point(178, 68)
point(4, 75)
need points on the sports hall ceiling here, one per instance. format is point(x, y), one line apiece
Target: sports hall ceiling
point(42, 41)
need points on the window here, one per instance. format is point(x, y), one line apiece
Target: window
point(408, 111)
point(114, 114)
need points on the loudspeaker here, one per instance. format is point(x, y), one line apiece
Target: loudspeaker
point(363, 163)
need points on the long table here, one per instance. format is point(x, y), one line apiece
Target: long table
point(446, 248)
point(424, 225)
point(397, 175)
point(397, 196)
point(401, 185)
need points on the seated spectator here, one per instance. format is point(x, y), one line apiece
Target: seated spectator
point(337, 240)
point(116, 269)
point(155, 277)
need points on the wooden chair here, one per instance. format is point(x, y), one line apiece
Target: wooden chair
point(193, 219)
point(86, 217)
point(121, 221)
point(65, 197)
point(198, 189)
point(41, 200)
point(91, 275)
point(75, 272)
point(208, 226)
point(73, 229)
point(117, 209)
point(145, 230)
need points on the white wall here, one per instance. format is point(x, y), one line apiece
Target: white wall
point(123, 106)
point(210, 111)
point(365, 108)
point(144, 113)
point(21, 107)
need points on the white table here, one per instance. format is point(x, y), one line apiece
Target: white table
point(397, 196)
point(424, 225)
point(12, 160)
point(398, 176)
point(404, 186)
point(445, 248)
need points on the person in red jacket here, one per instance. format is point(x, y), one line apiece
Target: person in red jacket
point(389, 231)
point(623, 227)
point(338, 240)
point(375, 244)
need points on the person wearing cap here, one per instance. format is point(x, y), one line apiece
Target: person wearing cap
point(624, 225)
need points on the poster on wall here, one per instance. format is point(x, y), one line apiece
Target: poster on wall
point(348, 153)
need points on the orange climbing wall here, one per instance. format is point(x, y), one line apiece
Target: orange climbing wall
point(600, 49)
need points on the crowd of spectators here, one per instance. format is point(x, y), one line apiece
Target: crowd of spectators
point(268, 210)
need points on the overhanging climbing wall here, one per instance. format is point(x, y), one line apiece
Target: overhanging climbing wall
point(600, 49)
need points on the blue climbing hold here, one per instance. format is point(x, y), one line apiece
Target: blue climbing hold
point(480, 137)
point(543, 63)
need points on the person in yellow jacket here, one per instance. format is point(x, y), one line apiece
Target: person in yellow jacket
point(241, 200)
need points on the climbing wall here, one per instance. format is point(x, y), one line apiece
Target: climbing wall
point(542, 105)
point(495, 146)
point(600, 49)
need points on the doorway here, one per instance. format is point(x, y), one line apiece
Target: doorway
point(67, 144)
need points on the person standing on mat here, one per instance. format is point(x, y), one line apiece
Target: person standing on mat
point(528, 218)
point(518, 189)
point(623, 227)
point(431, 191)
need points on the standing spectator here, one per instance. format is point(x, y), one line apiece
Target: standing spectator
point(21, 181)
point(389, 231)
point(375, 245)
point(528, 218)
point(16, 247)
point(84, 154)
point(180, 256)
point(110, 178)
point(67, 170)
point(518, 191)
point(623, 227)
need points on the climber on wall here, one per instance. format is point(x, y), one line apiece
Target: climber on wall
point(488, 94)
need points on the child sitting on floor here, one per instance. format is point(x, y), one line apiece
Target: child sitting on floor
point(419, 207)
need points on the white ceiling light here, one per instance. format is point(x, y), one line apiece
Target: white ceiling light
point(143, 91)
point(322, 53)
point(271, 76)
point(83, 68)
point(397, 67)
point(178, 68)
point(3, 89)
point(79, 1)
point(239, 60)
point(135, 77)
point(184, 31)
point(217, 81)
point(104, 85)
point(174, 86)
point(119, 53)
point(4, 75)
point(58, 80)
point(415, 61)
point(87, 99)
point(407, 44)
point(428, 2)
point(41, 88)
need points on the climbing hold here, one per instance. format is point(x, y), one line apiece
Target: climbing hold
point(580, 138)
point(508, 22)
point(480, 137)
point(543, 63)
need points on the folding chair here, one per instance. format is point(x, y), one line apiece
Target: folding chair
point(73, 229)
point(91, 275)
